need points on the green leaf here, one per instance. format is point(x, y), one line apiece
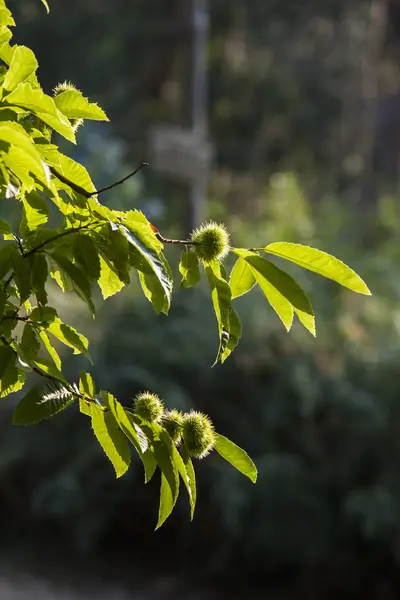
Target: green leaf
point(76, 277)
point(77, 174)
point(281, 290)
point(6, 17)
point(192, 478)
point(43, 315)
point(3, 300)
point(187, 478)
point(70, 337)
point(36, 101)
point(36, 211)
point(320, 262)
point(50, 349)
point(5, 34)
point(22, 151)
point(150, 465)
point(86, 384)
point(242, 279)
point(111, 439)
point(114, 248)
point(235, 333)
point(11, 378)
point(39, 273)
point(86, 256)
point(166, 501)
point(189, 269)
point(221, 299)
point(85, 407)
point(158, 286)
point(29, 341)
point(46, 5)
point(75, 106)
point(21, 276)
point(132, 431)
point(34, 407)
point(23, 64)
point(47, 367)
point(237, 457)
point(109, 282)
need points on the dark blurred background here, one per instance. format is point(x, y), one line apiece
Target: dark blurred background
point(301, 103)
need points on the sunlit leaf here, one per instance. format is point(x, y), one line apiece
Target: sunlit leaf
point(242, 279)
point(320, 262)
point(111, 439)
point(35, 406)
point(237, 457)
point(70, 337)
point(23, 64)
point(50, 349)
point(189, 269)
point(75, 106)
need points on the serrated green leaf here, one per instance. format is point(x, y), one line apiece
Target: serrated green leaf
point(150, 465)
point(140, 227)
point(50, 349)
point(192, 478)
point(235, 333)
point(132, 431)
point(76, 277)
point(86, 384)
point(75, 106)
point(36, 211)
point(166, 501)
point(11, 378)
point(187, 478)
point(85, 407)
point(77, 174)
point(21, 276)
point(242, 279)
point(70, 337)
point(114, 248)
point(47, 367)
point(189, 269)
point(154, 292)
point(6, 17)
point(5, 35)
point(109, 282)
point(21, 151)
point(86, 256)
point(319, 262)
point(34, 408)
point(111, 439)
point(29, 341)
point(221, 299)
point(158, 286)
point(281, 290)
point(23, 64)
point(36, 101)
point(43, 315)
point(39, 273)
point(277, 300)
point(236, 456)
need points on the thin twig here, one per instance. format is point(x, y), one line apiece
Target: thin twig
point(182, 242)
point(113, 185)
point(80, 190)
point(56, 237)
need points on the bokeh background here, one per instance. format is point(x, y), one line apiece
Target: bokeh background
point(302, 105)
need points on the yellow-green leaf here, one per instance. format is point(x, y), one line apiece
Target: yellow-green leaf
point(75, 106)
point(320, 262)
point(236, 456)
point(242, 279)
point(111, 439)
point(23, 64)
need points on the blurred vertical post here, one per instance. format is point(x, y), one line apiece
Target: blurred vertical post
point(198, 103)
